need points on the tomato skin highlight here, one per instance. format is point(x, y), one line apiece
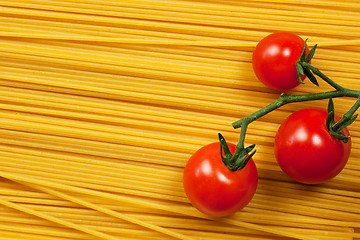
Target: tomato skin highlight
point(274, 60)
point(214, 189)
point(305, 150)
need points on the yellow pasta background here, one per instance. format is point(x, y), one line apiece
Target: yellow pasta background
point(103, 102)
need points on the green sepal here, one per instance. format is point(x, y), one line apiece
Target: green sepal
point(243, 158)
point(224, 148)
point(334, 130)
point(246, 160)
point(234, 162)
point(311, 76)
point(340, 136)
point(311, 53)
point(304, 60)
point(303, 53)
point(330, 121)
point(330, 107)
point(300, 72)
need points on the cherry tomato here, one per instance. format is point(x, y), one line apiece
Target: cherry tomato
point(274, 60)
point(214, 189)
point(306, 151)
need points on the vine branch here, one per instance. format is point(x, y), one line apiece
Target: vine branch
point(243, 154)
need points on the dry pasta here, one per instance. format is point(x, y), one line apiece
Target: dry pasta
point(103, 102)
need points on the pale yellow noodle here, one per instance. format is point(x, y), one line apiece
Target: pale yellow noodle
point(111, 212)
point(81, 217)
point(154, 205)
point(103, 102)
point(140, 13)
point(54, 219)
point(79, 168)
point(333, 214)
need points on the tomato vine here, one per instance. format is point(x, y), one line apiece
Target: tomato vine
point(220, 178)
point(243, 154)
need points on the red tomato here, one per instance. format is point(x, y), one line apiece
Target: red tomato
point(214, 189)
point(306, 151)
point(274, 60)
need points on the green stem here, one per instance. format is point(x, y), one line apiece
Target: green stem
point(347, 116)
point(285, 99)
point(240, 145)
point(316, 71)
point(240, 158)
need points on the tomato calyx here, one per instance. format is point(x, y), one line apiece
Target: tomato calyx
point(240, 158)
point(348, 118)
point(302, 65)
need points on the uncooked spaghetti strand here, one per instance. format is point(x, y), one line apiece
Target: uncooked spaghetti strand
point(119, 137)
point(101, 209)
point(181, 11)
point(21, 225)
point(214, 43)
point(112, 20)
point(163, 15)
point(144, 41)
point(106, 119)
point(117, 59)
point(205, 7)
point(175, 6)
point(34, 29)
point(86, 112)
point(211, 80)
point(17, 177)
point(114, 183)
point(109, 108)
point(171, 222)
point(111, 212)
point(57, 220)
point(292, 188)
point(351, 5)
point(346, 207)
point(10, 235)
point(100, 150)
point(244, 216)
point(87, 165)
point(161, 25)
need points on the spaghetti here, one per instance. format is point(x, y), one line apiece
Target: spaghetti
point(102, 103)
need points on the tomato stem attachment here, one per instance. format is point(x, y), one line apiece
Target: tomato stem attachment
point(303, 67)
point(241, 156)
point(347, 119)
point(317, 72)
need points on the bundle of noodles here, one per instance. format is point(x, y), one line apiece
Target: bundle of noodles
point(103, 102)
